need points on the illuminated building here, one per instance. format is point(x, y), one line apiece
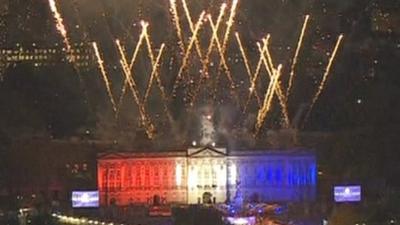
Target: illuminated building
point(205, 175)
point(81, 55)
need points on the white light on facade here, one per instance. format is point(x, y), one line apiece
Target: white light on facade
point(233, 174)
point(222, 175)
point(192, 177)
point(178, 172)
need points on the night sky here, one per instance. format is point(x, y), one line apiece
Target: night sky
point(60, 101)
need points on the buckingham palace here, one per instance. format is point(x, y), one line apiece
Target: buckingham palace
point(187, 176)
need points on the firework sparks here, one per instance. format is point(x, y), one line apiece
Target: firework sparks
point(135, 53)
point(278, 90)
point(221, 53)
point(214, 36)
point(247, 65)
point(294, 62)
point(107, 82)
point(154, 72)
point(263, 112)
point(144, 118)
point(257, 71)
point(59, 23)
point(325, 77)
point(175, 18)
point(230, 22)
point(188, 50)
point(192, 29)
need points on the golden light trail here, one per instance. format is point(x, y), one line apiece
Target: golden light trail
point(175, 18)
point(59, 23)
point(188, 50)
point(213, 39)
point(296, 55)
point(155, 64)
point(192, 29)
point(127, 72)
point(154, 72)
point(257, 72)
point(247, 66)
point(107, 82)
point(135, 53)
point(230, 22)
point(144, 118)
point(221, 54)
point(278, 90)
point(325, 77)
point(214, 36)
point(223, 61)
point(269, 95)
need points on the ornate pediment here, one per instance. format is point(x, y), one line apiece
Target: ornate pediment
point(206, 152)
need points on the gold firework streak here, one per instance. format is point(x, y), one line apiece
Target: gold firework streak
point(278, 89)
point(230, 22)
point(263, 112)
point(221, 55)
point(257, 72)
point(325, 77)
point(192, 29)
point(175, 18)
point(296, 55)
point(59, 23)
point(135, 53)
point(100, 62)
point(188, 50)
point(144, 118)
point(154, 72)
point(214, 37)
point(155, 64)
point(247, 66)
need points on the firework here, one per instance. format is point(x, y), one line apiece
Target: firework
point(257, 71)
point(296, 54)
point(325, 77)
point(278, 90)
point(175, 16)
point(247, 66)
point(230, 22)
point(214, 36)
point(263, 112)
point(107, 82)
point(59, 23)
point(221, 54)
point(154, 72)
point(188, 50)
point(144, 118)
point(135, 53)
point(192, 29)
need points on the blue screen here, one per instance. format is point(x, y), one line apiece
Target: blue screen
point(85, 199)
point(347, 193)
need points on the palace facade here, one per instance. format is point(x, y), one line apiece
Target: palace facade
point(205, 175)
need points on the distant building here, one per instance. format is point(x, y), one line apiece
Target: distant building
point(81, 55)
point(201, 175)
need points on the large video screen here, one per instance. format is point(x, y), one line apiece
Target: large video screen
point(85, 199)
point(347, 193)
